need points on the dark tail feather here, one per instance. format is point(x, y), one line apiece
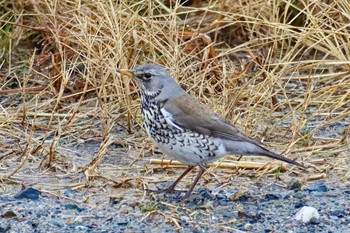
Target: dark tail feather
point(273, 155)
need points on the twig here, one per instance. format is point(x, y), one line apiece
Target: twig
point(231, 165)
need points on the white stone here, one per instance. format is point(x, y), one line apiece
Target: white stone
point(307, 214)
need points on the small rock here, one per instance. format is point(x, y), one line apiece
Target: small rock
point(224, 194)
point(122, 222)
point(272, 196)
point(70, 192)
point(9, 214)
point(199, 198)
point(254, 216)
point(206, 194)
point(240, 195)
point(338, 213)
point(78, 219)
point(247, 226)
point(34, 223)
point(55, 223)
point(300, 194)
point(80, 228)
point(29, 193)
point(115, 200)
point(294, 185)
point(299, 204)
point(317, 194)
point(71, 206)
point(318, 186)
point(308, 214)
point(5, 228)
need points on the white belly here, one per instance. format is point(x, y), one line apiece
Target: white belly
point(191, 150)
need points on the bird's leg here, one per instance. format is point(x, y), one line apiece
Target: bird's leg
point(171, 188)
point(194, 183)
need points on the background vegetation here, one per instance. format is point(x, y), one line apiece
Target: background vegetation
point(279, 69)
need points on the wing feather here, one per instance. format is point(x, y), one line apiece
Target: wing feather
point(187, 112)
point(191, 114)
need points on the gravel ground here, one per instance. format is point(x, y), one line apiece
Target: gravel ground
point(52, 201)
point(264, 208)
point(112, 197)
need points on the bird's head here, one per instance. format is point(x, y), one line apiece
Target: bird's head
point(154, 82)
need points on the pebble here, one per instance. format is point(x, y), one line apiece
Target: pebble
point(59, 223)
point(338, 213)
point(318, 186)
point(294, 185)
point(199, 198)
point(271, 196)
point(122, 221)
point(78, 219)
point(224, 194)
point(9, 214)
point(299, 204)
point(28, 193)
point(4, 228)
point(251, 214)
point(247, 226)
point(300, 195)
point(261, 209)
point(307, 214)
point(70, 193)
point(71, 206)
point(206, 193)
point(115, 200)
point(80, 228)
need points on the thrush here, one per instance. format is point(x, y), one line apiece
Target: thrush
point(184, 128)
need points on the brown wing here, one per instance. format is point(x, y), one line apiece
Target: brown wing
point(189, 113)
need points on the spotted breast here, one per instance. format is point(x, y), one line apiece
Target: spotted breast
point(180, 144)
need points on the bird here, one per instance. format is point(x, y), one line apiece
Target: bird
point(184, 128)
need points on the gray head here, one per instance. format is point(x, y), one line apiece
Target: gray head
point(154, 82)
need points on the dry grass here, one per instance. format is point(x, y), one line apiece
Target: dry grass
point(278, 69)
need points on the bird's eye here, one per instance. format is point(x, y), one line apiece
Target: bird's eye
point(147, 75)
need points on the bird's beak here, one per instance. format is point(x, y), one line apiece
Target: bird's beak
point(126, 72)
